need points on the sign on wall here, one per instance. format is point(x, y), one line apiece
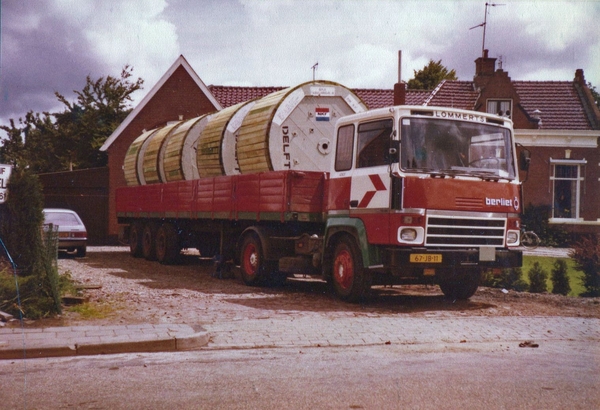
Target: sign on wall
point(5, 171)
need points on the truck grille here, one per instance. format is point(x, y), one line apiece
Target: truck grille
point(465, 231)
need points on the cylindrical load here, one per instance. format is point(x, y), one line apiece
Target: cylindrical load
point(151, 151)
point(293, 128)
point(216, 153)
point(130, 165)
point(179, 161)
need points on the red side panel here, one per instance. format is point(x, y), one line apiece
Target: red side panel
point(339, 194)
point(247, 193)
point(227, 197)
point(273, 192)
point(308, 191)
point(204, 194)
point(223, 196)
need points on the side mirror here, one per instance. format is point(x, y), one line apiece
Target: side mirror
point(524, 160)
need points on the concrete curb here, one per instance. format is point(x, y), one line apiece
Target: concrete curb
point(17, 343)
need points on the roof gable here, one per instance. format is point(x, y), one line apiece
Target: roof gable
point(180, 62)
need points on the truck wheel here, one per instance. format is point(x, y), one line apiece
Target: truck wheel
point(252, 264)
point(167, 244)
point(149, 241)
point(351, 282)
point(136, 231)
point(460, 285)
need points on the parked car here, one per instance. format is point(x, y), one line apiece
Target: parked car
point(72, 235)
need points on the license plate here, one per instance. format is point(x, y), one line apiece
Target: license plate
point(426, 258)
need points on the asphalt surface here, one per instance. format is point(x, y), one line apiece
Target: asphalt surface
point(20, 342)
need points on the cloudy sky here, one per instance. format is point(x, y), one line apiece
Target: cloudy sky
point(52, 45)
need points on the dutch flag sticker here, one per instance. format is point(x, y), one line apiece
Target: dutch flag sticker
point(322, 114)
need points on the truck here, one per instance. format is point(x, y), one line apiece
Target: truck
point(413, 195)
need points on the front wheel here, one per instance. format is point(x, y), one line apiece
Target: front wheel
point(460, 285)
point(351, 282)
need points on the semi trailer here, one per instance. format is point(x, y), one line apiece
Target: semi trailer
point(326, 188)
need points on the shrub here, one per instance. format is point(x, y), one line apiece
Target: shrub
point(586, 254)
point(537, 279)
point(560, 279)
point(21, 220)
point(511, 278)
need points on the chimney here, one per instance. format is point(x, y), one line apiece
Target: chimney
point(579, 77)
point(485, 65)
point(484, 69)
point(399, 87)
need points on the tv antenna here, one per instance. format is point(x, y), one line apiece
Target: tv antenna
point(484, 24)
point(314, 68)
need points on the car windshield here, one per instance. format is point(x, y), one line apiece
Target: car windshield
point(61, 218)
point(442, 146)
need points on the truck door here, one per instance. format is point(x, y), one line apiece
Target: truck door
point(370, 180)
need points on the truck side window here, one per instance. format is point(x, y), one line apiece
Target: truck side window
point(345, 145)
point(374, 143)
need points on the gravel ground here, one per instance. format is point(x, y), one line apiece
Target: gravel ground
point(125, 290)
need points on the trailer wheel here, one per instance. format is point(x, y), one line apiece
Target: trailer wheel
point(460, 285)
point(136, 231)
point(351, 282)
point(149, 241)
point(167, 244)
point(252, 264)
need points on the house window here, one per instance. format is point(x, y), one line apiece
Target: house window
point(566, 181)
point(500, 107)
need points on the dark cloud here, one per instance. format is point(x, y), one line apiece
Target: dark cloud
point(41, 54)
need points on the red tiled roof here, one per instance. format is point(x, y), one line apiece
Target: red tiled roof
point(454, 94)
point(230, 95)
point(373, 98)
point(558, 101)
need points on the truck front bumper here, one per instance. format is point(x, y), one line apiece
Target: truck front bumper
point(427, 258)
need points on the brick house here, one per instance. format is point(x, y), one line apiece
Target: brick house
point(556, 120)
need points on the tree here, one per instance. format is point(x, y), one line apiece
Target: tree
point(595, 94)
point(430, 76)
point(71, 139)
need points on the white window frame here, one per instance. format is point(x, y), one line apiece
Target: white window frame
point(498, 101)
point(579, 179)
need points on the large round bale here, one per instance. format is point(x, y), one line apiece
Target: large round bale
point(293, 128)
point(179, 161)
point(217, 144)
point(151, 156)
point(130, 165)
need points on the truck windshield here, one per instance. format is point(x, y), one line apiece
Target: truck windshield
point(450, 147)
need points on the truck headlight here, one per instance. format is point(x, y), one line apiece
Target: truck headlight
point(411, 234)
point(512, 238)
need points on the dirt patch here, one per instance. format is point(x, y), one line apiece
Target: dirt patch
point(126, 290)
